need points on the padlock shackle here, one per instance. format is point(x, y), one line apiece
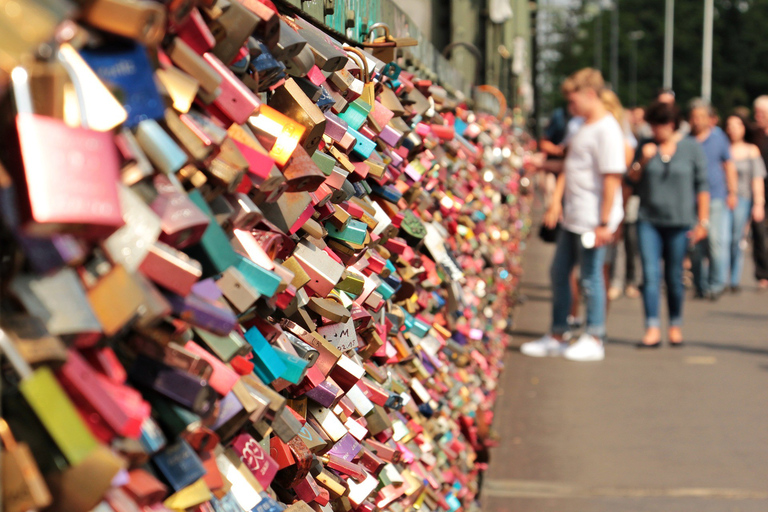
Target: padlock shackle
point(363, 62)
point(372, 30)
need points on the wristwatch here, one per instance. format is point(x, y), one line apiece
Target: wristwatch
point(603, 224)
point(704, 223)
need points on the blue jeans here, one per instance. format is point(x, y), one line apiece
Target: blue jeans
point(570, 251)
point(712, 278)
point(738, 219)
point(671, 244)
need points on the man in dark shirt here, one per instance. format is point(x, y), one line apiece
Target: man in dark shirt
point(759, 230)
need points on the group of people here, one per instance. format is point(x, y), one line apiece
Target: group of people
point(690, 191)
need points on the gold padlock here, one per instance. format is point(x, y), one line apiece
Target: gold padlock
point(23, 486)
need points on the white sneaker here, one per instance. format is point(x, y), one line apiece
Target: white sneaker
point(543, 347)
point(587, 348)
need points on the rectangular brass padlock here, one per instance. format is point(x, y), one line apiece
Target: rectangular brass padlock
point(232, 29)
point(23, 487)
point(289, 207)
point(277, 132)
point(191, 62)
point(268, 29)
point(134, 19)
point(293, 102)
point(237, 290)
point(187, 137)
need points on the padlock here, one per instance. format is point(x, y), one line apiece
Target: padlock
point(192, 63)
point(127, 70)
point(161, 149)
point(328, 54)
point(61, 301)
point(33, 341)
point(134, 19)
point(293, 102)
point(23, 487)
point(231, 28)
point(290, 43)
point(277, 132)
point(236, 103)
point(76, 198)
point(384, 47)
point(268, 29)
point(185, 389)
point(40, 389)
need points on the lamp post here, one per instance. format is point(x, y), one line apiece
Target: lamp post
point(669, 34)
point(706, 51)
point(634, 36)
point(615, 46)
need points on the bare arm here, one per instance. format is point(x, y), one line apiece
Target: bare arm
point(732, 180)
point(611, 183)
point(553, 166)
point(758, 199)
point(699, 232)
point(552, 216)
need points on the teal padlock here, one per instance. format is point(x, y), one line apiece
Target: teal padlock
point(410, 321)
point(161, 149)
point(296, 367)
point(264, 281)
point(420, 328)
point(354, 232)
point(267, 364)
point(363, 145)
point(385, 290)
point(356, 114)
point(214, 251)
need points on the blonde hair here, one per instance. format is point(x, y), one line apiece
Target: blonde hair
point(612, 104)
point(587, 78)
point(761, 103)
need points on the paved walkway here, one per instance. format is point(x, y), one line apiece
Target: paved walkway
point(671, 430)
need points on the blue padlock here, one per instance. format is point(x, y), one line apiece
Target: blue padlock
point(128, 73)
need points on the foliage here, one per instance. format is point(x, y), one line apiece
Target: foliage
point(739, 74)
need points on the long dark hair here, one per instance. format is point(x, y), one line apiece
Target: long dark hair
point(750, 131)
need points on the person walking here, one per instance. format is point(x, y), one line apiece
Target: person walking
point(750, 169)
point(759, 229)
point(710, 280)
point(592, 209)
point(613, 106)
point(670, 177)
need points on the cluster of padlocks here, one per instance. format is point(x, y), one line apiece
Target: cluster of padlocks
point(243, 266)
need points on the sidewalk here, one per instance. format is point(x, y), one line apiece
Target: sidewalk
point(671, 430)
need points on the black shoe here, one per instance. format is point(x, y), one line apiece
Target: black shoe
point(676, 345)
point(735, 290)
point(646, 345)
point(700, 295)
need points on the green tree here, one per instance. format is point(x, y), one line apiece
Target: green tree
point(739, 50)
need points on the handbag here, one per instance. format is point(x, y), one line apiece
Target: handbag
point(549, 235)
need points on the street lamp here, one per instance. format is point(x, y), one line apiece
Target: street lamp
point(634, 36)
point(669, 34)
